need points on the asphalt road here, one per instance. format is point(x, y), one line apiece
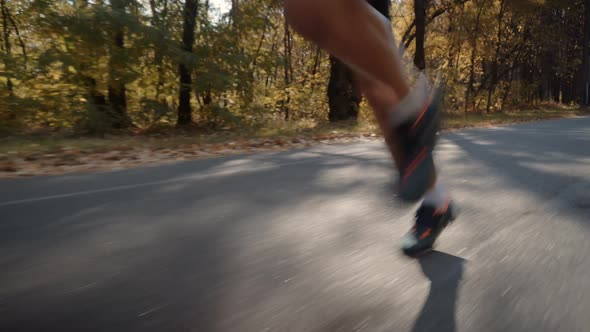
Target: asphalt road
point(306, 240)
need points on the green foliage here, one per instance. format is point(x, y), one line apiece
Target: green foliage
point(248, 69)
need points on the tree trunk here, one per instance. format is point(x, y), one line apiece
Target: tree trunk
point(188, 39)
point(547, 71)
point(515, 72)
point(96, 99)
point(473, 57)
point(566, 97)
point(116, 89)
point(7, 46)
point(585, 88)
point(495, 78)
point(453, 45)
point(489, 101)
point(314, 69)
point(343, 95)
point(506, 92)
point(287, 68)
point(549, 57)
point(158, 20)
point(420, 7)
point(556, 89)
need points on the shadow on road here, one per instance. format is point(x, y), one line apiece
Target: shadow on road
point(535, 158)
point(191, 254)
point(445, 273)
point(185, 252)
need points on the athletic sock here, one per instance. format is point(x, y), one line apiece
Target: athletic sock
point(412, 103)
point(437, 197)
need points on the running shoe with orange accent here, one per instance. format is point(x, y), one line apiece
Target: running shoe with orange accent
point(430, 222)
point(418, 137)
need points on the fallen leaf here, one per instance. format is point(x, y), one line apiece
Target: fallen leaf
point(8, 166)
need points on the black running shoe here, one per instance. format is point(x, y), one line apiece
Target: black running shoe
point(418, 138)
point(430, 222)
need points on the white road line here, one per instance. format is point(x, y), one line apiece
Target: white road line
point(85, 192)
point(152, 310)
point(253, 168)
point(116, 188)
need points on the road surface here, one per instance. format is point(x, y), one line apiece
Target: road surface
point(306, 240)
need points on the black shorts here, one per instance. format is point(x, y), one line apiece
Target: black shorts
point(382, 6)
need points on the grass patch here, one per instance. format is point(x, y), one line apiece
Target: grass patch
point(170, 138)
point(456, 121)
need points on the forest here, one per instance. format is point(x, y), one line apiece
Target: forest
point(90, 67)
